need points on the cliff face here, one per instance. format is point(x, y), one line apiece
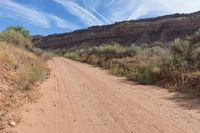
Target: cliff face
point(164, 28)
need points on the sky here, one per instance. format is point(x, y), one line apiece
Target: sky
point(57, 16)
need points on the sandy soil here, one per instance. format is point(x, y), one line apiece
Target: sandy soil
point(79, 98)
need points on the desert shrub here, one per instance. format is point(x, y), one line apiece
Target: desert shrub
point(103, 52)
point(38, 51)
point(109, 51)
point(16, 35)
point(148, 67)
point(196, 58)
point(117, 70)
point(73, 55)
point(143, 74)
point(157, 51)
point(157, 44)
point(19, 29)
point(131, 51)
point(12, 37)
point(194, 39)
point(185, 55)
point(45, 54)
point(158, 62)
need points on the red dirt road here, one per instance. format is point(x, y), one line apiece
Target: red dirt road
point(79, 98)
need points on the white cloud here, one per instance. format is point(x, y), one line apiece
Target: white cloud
point(180, 6)
point(143, 8)
point(163, 7)
point(62, 23)
point(93, 7)
point(16, 11)
point(119, 10)
point(29, 15)
point(112, 10)
point(96, 12)
point(83, 14)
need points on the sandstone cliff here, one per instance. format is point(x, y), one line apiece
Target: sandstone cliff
point(165, 28)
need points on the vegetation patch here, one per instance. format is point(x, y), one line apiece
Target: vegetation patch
point(160, 63)
point(21, 69)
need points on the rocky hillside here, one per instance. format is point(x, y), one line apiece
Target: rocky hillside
point(165, 28)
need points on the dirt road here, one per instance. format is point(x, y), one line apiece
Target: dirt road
point(79, 98)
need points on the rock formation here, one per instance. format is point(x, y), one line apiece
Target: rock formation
point(165, 28)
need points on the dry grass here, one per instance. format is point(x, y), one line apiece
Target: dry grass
point(25, 67)
point(20, 71)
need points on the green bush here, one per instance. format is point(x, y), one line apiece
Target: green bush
point(185, 55)
point(131, 51)
point(109, 51)
point(147, 69)
point(17, 36)
point(143, 74)
point(19, 29)
point(118, 70)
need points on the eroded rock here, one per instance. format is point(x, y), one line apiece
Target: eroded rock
point(165, 28)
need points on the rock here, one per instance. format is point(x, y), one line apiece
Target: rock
point(12, 123)
point(165, 28)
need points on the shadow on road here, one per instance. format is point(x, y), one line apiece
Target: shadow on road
point(182, 100)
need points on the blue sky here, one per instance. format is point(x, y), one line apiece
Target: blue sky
point(57, 16)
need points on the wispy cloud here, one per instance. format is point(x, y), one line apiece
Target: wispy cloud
point(62, 23)
point(181, 6)
point(119, 10)
point(90, 12)
point(83, 14)
point(92, 8)
point(162, 7)
point(143, 8)
point(29, 15)
point(112, 10)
